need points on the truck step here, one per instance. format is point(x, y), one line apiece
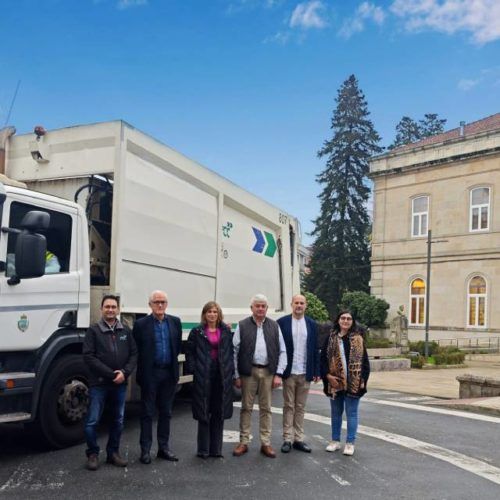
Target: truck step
point(16, 375)
point(14, 417)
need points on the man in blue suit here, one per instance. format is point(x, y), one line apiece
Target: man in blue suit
point(158, 337)
point(301, 340)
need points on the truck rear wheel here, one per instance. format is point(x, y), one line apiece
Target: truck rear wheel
point(64, 401)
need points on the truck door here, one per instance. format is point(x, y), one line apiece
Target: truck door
point(32, 309)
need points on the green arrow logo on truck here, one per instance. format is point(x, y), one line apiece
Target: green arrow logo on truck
point(267, 240)
point(271, 244)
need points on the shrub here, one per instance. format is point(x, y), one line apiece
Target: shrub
point(417, 361)
point(367, 309)
point(420, 347)
point(315, 307)
point(373, 343)
point(449, 358)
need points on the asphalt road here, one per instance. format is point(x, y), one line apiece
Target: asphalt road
point(405, 450)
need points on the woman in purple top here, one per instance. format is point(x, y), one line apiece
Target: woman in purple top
point(209, 357)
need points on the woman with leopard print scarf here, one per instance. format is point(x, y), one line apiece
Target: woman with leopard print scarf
point(345, 369)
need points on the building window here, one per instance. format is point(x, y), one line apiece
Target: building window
point(419, 216)
point(417, 302)
point(476, 300)
point(480, 209)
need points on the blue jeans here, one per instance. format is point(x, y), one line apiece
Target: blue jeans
point(99, 395)
point(351, 409)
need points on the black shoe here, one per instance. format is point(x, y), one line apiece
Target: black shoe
point(167, 455)
point(286, 447)
point(216, 455)
point(202, 455)
point(145, 458)
point(301, 446)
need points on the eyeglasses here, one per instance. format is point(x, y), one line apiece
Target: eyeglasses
point(159, 302)
point(345, 318)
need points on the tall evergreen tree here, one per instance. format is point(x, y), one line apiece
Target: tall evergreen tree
point(431, 125)
point(408, 130)
point(341, 258)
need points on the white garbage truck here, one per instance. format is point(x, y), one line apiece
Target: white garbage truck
point(120, 213)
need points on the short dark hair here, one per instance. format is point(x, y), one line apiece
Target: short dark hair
point(110, 296)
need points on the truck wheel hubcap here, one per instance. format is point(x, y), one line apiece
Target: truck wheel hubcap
point(73, 401)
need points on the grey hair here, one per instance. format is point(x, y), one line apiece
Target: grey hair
point(259, 297)
point(154, 292)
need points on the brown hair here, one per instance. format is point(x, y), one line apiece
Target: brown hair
point(211, 305)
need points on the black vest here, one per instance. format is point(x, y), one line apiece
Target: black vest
point(248, 338)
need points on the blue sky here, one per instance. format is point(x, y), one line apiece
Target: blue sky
point(247, 87)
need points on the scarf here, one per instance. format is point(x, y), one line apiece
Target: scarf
point(350, 381)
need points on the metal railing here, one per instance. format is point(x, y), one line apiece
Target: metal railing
point(490, 344)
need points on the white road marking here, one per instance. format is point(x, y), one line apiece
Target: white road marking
point(335, 477)
point(469, 464)
point(23, 478)
point(431, 409)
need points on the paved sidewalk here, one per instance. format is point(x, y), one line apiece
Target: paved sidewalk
point(442, 383)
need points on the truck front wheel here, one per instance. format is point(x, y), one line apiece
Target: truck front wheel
point(63, 402)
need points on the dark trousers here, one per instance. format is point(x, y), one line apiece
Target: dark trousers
point(210, 432)
point(160, 393)
point(115, 395)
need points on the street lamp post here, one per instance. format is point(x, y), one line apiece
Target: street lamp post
point(427, 293)
point(428, 290)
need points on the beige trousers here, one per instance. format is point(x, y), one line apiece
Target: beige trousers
point(295, 391)
point(261, 383)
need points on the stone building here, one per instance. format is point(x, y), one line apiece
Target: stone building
point(449, 184)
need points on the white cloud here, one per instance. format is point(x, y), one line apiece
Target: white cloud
point(281, 38)
point(308, 15)
point(481, 18)
point(126, 4)
point(365, 12)
point(488, 77)
point(466, 84)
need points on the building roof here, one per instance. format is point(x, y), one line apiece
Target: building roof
point(484, 125)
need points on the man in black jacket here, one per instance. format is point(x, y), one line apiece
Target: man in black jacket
point(110, 353)
point(158, 337)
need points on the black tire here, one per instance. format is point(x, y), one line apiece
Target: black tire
point(63, 402)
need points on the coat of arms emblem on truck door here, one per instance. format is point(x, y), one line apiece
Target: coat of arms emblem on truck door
point(23, 323)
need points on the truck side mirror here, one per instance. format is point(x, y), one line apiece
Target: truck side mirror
point(30, 255)
point(30, 247)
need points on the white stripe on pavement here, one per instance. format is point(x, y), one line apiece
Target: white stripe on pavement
point(469, 464)
point(431, 409)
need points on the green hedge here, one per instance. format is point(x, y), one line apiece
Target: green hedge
point(449, 358)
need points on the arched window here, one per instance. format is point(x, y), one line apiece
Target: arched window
point(480, 209)
point(476, 300)
point(417, 302)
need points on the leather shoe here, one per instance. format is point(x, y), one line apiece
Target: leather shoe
point(216, 455)
point(241, 449)
point(117, 460)
point(167, 455)
point(92, 462)
point(145, 458)
point(267, 450)
point(301, 446)
point(202, 455)
point(286, 447)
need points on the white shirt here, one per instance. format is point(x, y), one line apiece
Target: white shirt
point(260, 354)
point(299, 334)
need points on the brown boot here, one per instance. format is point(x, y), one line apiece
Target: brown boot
point(267, 450)
point(92, 462)
point(117, 460)
point(241, 449)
